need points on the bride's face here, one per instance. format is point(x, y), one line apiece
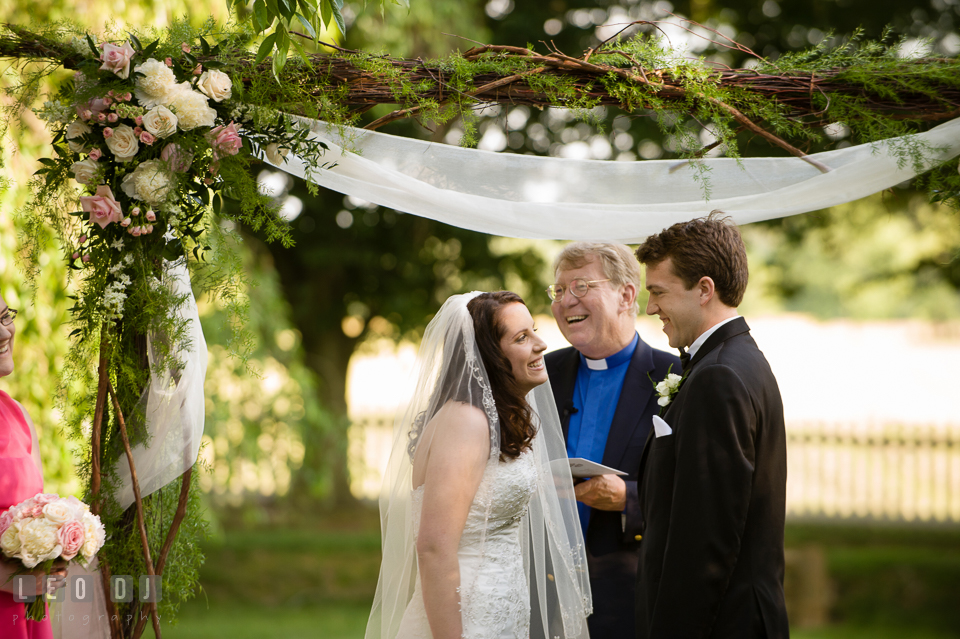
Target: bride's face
point(521, 345)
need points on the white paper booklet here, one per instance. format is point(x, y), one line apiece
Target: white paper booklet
point(582, 468)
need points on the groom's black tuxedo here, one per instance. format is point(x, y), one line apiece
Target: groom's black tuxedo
point(612, 544)
point(713, 497)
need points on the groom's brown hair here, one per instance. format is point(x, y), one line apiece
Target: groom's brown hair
point(705, 247)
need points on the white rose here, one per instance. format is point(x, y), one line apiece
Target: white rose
point(85, 171)
point(58, 512)
point(39, 541)
point(155, 84)
point(151, 181)
point(93, 536)
point(10, 540)
point(216, 85)
point(276, 153)
point(160, 121)
point(664, 401)
point(75, 130)
point(191, 108)
point(663, 388)
point(674, 380)
point(123, 143)
point(129, 186)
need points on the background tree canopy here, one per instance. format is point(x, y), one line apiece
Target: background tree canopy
point(359, 272)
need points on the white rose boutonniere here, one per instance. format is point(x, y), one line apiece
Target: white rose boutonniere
point(667, 388)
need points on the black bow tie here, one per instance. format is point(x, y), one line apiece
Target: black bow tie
point(685, 360)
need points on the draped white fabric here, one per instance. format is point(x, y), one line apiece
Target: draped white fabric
point(540, 197)
point(173, 404)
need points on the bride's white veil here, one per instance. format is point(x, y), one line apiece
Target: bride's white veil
point(449, 367)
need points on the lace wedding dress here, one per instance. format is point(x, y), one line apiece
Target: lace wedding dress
point(494, 595)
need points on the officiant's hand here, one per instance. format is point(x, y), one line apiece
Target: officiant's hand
point(603, 492)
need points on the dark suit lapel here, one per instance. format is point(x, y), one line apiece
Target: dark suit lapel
point(737, 326)
point(637, 391)
point(562, 380)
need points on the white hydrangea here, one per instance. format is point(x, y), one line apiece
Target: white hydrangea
point(55, 112)
point(191, 108)
point(156, 84)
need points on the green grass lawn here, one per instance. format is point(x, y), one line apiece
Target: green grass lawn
point(886, 583)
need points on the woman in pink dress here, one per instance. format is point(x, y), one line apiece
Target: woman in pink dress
point(21, 477)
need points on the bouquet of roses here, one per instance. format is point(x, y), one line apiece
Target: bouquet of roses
point(48, 527)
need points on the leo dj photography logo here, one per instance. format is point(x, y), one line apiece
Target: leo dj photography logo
point(82, 589)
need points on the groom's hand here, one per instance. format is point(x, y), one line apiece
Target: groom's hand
point(603, 492)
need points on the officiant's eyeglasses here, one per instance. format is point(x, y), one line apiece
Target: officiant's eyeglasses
point(579, 288)
point(7, 318)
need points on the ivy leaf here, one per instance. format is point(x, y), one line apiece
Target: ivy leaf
point(287, 9)
point(93, 47)
point(260, 18)
point(309, 27)
point(265, 47)
point(300, 51)
point(336, 6)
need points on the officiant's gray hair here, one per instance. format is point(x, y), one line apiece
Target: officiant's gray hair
point(616, 260)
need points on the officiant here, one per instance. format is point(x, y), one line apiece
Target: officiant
point(606, 400)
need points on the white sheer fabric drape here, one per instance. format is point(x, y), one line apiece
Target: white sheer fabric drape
point(540, 197)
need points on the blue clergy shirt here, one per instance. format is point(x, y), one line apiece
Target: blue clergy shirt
point(595, 396)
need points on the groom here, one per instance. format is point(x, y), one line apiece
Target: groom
point(605, 399)
point(713, 474)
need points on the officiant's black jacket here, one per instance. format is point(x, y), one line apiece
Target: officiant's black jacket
point(713, 496)
point(612, 546)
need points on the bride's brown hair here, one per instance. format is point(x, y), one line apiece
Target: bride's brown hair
point(516, 417)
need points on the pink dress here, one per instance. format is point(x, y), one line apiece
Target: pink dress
point(19, 479)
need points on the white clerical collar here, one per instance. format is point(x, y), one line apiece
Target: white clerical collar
point(596, 364)
point(622, 356)
point(697, 343)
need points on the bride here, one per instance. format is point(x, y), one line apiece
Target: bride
point(481, 538)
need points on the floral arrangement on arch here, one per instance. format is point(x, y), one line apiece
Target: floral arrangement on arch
point(154, 140)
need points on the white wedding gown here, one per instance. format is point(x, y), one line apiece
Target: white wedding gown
point(494, 594)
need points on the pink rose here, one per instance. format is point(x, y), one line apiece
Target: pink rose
point(95, 154)
point(147, 138)
point(75, 256)
point(137, 130)
point(102, 207)
point(5, 520)
point(151, 216)
point(90, 108)
point(139, 120)
point(101, 117)
point(127, 96)
point(71, 538)
point(108, 100)
point(168, 62)
point(117, 59)
point(46, 498)
point(185, 47)
point(124, 223)
point(107, 132)
point(225, 140)
point(176, 158)
point(83, 238)
point(113, 117)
